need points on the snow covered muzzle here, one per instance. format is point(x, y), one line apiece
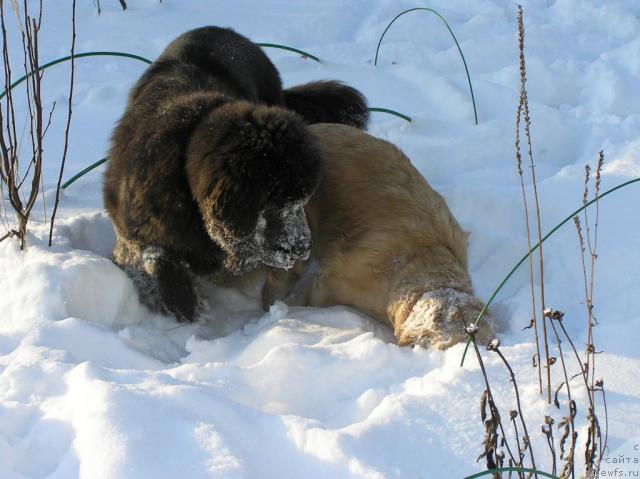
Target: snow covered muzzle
point(280, 238)
point(285, 236)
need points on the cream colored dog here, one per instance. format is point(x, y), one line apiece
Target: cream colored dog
point(385, 243)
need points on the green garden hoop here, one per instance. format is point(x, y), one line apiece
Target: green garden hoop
point(466, 69)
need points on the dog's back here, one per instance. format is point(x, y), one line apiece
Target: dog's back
point(376, 199)
point(385, 242)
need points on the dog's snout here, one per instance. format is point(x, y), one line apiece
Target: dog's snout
point(302, 247)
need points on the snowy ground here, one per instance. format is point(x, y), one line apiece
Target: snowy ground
point(93, 385)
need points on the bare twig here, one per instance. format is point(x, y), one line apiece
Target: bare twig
point(31, 163)
point(69, 113)
point(9, 234)
point(8, 144)
point(22, 180)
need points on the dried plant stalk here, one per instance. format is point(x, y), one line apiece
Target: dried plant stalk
point(491, 453)
point(596, 443)
point(567, 443)
point(554, 315)
point(593, 246)
point(523, 110)
point(495, 346)
point(547, 430)
point(534, 316)
point(600, 387)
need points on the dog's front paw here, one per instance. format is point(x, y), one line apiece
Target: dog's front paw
point(439, 318)
point(168, 284)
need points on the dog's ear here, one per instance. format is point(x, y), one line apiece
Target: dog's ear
point(328, 102)
point(243, 156)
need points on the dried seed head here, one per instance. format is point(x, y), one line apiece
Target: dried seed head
point(549, 420)
point(472, 329)
point(513, 414)
point(599, 171)
point(552, 360)
point(493, 345)
point(587, 174)
point(553, 314)
point(576, 220)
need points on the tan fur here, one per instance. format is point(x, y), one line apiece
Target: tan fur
point(386, 243)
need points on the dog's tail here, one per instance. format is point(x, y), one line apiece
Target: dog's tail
point(328, 102)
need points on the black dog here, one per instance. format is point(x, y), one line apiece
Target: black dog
point(211, 165)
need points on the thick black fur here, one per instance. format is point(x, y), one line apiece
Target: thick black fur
point(328, 102)
point(206, 149)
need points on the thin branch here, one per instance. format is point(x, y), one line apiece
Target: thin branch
point(9, 234)
point(21, 200)
point(69, 113)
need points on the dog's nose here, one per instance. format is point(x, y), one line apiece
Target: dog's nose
point(302, 247)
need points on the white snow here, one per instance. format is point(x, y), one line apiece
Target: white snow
point(93, 385)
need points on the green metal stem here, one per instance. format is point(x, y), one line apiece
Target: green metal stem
point(392, 112)
point(77, 55)
point(464, 61)
point(526, 256)
point(291, 49)
point(83, 172)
